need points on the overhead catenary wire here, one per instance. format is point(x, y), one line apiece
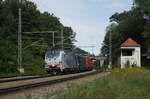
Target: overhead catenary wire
point(33, 43)
point(38, 32)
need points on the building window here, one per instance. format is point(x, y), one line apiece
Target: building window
point(127, 52)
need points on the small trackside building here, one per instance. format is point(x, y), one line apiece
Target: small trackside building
point(130, 54)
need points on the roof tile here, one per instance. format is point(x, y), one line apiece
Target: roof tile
point(130, 43)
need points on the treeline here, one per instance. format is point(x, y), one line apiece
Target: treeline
point(32, 20)
point(134, 23)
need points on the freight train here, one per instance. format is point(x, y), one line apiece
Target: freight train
point(66, 61)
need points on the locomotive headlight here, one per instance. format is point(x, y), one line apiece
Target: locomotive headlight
point(53, 65)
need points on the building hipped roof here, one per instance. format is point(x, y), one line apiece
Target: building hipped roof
point(130, 43)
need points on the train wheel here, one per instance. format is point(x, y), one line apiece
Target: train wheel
point(59, 73)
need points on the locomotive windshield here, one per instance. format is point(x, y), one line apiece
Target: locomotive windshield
point(52, 54)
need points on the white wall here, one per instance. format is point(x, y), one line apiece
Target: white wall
point(135, 58)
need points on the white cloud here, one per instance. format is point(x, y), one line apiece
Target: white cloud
point(116, 5)
point(71, 8)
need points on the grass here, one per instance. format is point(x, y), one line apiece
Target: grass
point(120, 84)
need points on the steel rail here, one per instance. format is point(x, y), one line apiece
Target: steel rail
point(23, 78)
point(23, 75)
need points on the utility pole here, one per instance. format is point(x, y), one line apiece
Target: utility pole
point(93, 49)
point(20, 68)
point(62, 38)
point(53, 39)
point(110, 51)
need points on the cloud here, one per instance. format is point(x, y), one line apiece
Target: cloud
point(70, 8)
point(117, 5)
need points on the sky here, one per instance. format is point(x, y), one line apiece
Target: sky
point(88, 18)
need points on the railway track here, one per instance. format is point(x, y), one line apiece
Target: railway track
point(19, 78)
point(5, 77)
point(55, 80)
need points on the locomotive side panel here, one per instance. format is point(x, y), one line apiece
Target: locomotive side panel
point(69, 61)
point(81, 62)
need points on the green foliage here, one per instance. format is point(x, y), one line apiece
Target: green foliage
point(7, 63)
point(32, 20)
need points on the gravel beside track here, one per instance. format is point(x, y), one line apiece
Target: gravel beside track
point(25, 84)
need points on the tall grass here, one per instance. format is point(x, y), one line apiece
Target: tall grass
point(124, 84)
